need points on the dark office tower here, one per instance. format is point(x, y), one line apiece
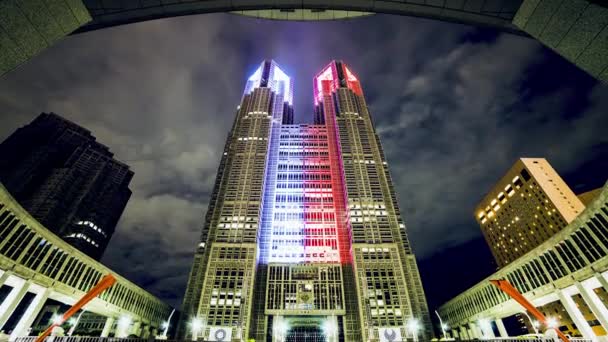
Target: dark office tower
point(66, 180)
point(303, 237)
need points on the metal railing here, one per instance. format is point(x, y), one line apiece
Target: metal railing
point(94, 339)
point(528, 339)
point(152, 339)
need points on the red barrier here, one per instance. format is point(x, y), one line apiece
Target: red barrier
point(103, 284)
point(507, 288)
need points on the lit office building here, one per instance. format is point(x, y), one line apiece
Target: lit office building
point(303, 235)
point(526, 207)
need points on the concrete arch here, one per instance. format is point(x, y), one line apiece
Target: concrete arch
point(575, 29)
point(493, 13)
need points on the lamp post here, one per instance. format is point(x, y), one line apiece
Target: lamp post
point(123, 325)
point(533, 323)
point(196, 325)
point(74, 323)
point(443, 326)
point(552, 322)
point(414, 326)
point(57, 319)
point(166, 325)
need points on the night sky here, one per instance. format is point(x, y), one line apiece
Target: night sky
point(454, 105)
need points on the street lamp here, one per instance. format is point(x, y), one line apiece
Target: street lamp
point(534, 324)
point(124, 321)
point(165, 325)
point(552, 322)
point(74, 322)
point(413, 326)
point(57, 319)
point(444, 327)
point(330, 328)
point(283, 327)
point(196, 325)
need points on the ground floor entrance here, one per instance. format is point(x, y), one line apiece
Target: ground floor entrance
point(306, 329)
point(305, 334)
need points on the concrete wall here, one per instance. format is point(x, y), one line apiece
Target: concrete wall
point(575, 29)
point(29, 26)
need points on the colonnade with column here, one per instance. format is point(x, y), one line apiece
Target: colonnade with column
point(38, 265)
point(573, 261)
point(117, 325)
point(20, 288)
point(489, 327)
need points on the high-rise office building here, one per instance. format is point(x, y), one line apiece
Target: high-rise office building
point(526, 207)
point(303, 235)
point(66, 180)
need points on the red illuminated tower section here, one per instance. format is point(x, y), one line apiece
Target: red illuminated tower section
point(388, 291)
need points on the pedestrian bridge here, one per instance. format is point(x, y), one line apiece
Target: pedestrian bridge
point(34, 260)
point(572, 262)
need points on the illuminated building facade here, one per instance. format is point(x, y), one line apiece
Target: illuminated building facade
point(527, 206)
point(66, 180)
point(303, 235)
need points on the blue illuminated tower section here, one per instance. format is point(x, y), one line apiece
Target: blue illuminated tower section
point(219, 296)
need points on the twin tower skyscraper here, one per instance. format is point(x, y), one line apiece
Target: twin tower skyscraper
point(303, 238)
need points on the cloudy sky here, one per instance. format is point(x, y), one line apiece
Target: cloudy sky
point(454, 105)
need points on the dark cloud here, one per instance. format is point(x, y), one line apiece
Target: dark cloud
point(453, 113)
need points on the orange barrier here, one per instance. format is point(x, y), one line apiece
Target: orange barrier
point(103, 284)
point(507, 288)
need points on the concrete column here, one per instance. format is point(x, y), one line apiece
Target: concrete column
point(463, 333)
point(122, 327)
point(473, 331)
point(501, 328)
point(11, 301)
point(3, 277)
point(332, 332)
point(594, 303)
point(576, 315)
point(602, 281)
point(30, 314)
point(145, 331)
point(478, 331)
point(486, 330)
point(107, 328)
point(136, 328)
